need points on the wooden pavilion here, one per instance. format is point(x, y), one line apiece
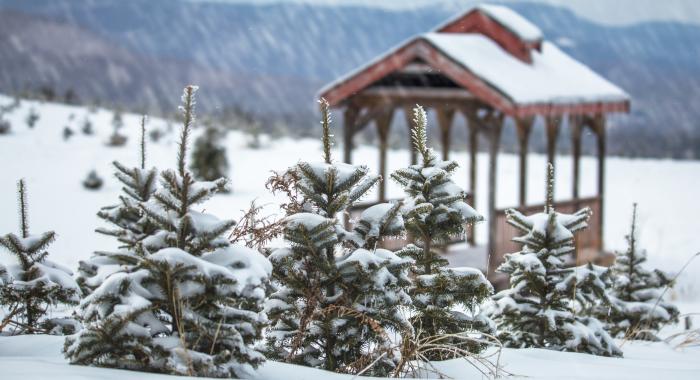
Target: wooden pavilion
point(487, 64)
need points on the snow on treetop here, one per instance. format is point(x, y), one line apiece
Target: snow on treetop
point(552, 77)
point(368, 259)
point(374, 216)
point(306, 219)
point(512, 21)
point(343, 171)
point(204, 223)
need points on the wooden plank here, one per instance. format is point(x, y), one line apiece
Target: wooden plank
point(523, 128)
point(445, 117)
point(599, 127)
point(495, 125)
point(576, 126)
point(349, 118)
point(383, 122)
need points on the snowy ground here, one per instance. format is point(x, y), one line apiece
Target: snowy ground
point(39, 357)
point(667, 192)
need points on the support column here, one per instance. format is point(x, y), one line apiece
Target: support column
point(383, 122)
point(473, 126)
point(408, 114)
point(349, 120)
point(494, 131)
point(445, 116)
point(576, 127)
point(523, 127)
point(599, 123)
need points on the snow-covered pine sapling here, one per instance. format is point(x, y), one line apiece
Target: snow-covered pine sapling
point(435, 211)
point(32, 117)
point(33, 284)
point(194, 307)
point(116, 138)
point(209, 160)
point(637, 310)
point(93, 181)
point(543, 306)
point(127, 222)
point(338, 297)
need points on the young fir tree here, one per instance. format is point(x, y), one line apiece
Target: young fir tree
point(32, 117)
point(543, 306)
point(209, 160)
point(338, 296)
point(127, 220)
point(116, 138)
point(436, 211)
point(34, 284)
point(194, 307)
point(637, 309)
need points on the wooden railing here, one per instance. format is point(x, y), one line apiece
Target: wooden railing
point(588, 241)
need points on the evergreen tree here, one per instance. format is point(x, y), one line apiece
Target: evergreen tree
point(435, 211)
point(127, 220)
point(116, 138)
point(93, 181)
point(5, 126)
point(87, 127)
point(209, 160)
point(543, 306)
point(194, 307)
point(32, 118)
point(637, 309)
point(34, 284)
point(338, 296)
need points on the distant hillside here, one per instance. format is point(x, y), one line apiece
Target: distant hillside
point(273, 58)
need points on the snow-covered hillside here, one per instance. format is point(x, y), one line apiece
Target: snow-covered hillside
point(55, 168)
point(665, 190)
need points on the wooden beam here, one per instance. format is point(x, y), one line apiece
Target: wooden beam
point(495, 125)
point(599, 128)
point(408, 114)
point(576, 127)
point(349, 118)
point(383, 122)
point(523, 127)
point(445, 117)
point(473, 126)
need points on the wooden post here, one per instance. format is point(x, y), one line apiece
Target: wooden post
point(349, 119)
point(523, 127)
point(408, 114)
point(494, 130)
point(576, 126)
point(473, 126)
point(383, 122)
point(599, 127)
point(445, 116)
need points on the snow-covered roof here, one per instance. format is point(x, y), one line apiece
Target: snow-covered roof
point(500, 58)
point(552, 77)
point(507, 18)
